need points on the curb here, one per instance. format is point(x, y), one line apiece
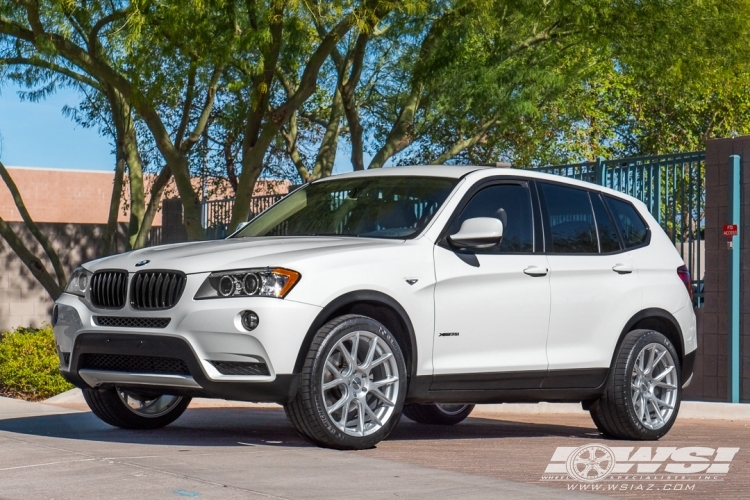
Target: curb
point(688, 410)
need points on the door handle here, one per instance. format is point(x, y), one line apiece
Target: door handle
point(622, 269)
point(536, 271)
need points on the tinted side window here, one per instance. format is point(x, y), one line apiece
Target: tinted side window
point(511, 203)
point(608, 240)
point(633, 230)
point(570, 220)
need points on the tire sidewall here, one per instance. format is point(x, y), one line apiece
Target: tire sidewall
point(360, 323)
point(649, 337)
point(107, 405)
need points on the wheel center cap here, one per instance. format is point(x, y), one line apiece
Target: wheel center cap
point(356, 383)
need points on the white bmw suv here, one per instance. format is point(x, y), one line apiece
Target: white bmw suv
point(422, 290)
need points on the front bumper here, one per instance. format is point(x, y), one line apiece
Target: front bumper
point(279, 389)
point(199, 332)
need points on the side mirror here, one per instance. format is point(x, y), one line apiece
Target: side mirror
point(480, 232)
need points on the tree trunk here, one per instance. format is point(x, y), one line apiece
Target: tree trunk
point(327, 151)
point(253, 156)
point(153, 206)
point(135, 178)
point(108, 238)
point(400, 135)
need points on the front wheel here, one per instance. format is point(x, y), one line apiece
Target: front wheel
point(352, 386)
point(438, 414)
point(643, 391)
point(130, 409)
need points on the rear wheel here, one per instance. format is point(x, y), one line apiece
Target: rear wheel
point(643, 391)
point(130, 409)
point(352, 386)
point(438, 414)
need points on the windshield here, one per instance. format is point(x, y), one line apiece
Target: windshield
point(396, 207)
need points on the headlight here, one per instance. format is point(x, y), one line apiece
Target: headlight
point(78, 282)
point(266, 282)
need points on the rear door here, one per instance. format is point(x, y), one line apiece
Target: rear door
point(492, 306)
point(593, 281)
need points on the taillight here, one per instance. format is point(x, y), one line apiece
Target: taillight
point(684, 273)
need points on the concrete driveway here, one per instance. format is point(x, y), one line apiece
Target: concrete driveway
point(244, 451)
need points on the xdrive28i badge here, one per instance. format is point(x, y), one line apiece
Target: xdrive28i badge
point(142, 263)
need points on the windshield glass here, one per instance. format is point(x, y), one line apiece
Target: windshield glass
point(375, 207)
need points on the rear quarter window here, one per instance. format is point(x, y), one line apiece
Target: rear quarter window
point(631, 225)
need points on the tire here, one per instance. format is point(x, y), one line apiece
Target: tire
point(438, 414)
point(329, 407)
point(627, 410)
point(111, 407)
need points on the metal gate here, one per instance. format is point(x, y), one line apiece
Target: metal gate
point(672, 187)
point(217, 214)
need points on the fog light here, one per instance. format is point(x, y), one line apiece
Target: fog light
point(55, 314)
point(249, 320)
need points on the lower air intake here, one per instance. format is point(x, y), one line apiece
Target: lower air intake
point(125, 322)
point(239, 368)
point(133, 364)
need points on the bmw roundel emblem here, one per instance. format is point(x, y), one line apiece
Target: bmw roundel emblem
point(142, 263)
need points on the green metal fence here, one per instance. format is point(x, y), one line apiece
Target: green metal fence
point(672, 187)
point(217, 214)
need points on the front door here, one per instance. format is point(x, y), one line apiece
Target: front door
point(492, 306)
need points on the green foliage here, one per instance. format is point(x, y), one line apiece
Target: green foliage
point(222, 88)
point(29, 365)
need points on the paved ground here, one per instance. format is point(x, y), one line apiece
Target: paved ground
point(51, 451)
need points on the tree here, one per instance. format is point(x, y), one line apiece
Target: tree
point(254, 86)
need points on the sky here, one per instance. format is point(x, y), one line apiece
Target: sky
point(37, 134)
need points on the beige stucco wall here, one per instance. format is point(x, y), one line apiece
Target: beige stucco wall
point(23, 301)
point(82, 196)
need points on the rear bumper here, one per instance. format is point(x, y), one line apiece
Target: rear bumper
point(196, 384)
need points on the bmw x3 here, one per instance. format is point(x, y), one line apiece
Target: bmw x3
point(418, 290)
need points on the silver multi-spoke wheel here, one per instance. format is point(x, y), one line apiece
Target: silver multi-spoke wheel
point(129, 409)
point(148, 406)
point(452, 409)
point(360, 383)
point(654, 385)
point(352, 385)
point(438, 413)
point(642, 393)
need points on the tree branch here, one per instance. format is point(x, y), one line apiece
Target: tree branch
point(186, 106)
point(200, 125)
point(33, 228)
point(262, 84)
point(93, 38)
point(290, 138)
point(463, 144)
point(30, 260)
point(41, 63)
point(153, 206)
point(252, 160)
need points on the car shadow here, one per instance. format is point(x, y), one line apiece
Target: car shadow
point(263, 427)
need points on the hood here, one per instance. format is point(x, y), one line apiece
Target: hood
point(235, 253)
